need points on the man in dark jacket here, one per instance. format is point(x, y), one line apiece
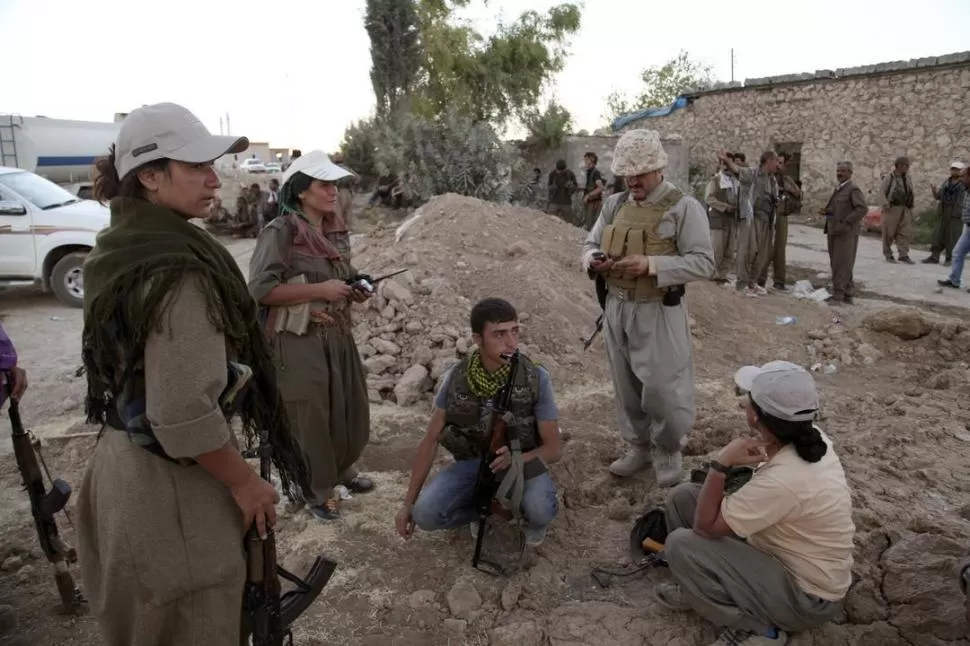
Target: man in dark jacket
point(562, 185)
point(843, 221)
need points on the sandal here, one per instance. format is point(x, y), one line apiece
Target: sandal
point(329, 510)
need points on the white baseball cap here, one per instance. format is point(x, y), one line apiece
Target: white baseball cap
point(317, 165)
point(959, 165)
point(781, 389)
point(169, 131)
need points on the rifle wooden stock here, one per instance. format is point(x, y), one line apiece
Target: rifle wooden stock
point(267, 616)
point(43, 505)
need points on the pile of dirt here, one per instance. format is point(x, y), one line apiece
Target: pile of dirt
point(458, 250)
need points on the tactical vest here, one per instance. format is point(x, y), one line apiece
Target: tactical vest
point(465, 435)
point(635, 231)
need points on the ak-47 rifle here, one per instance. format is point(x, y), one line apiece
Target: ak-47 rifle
point(487, 484)
point(268, 615)
point(364, 282)
point(44, 504)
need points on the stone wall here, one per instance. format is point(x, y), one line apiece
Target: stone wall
point(573, 149)
point(868, 116)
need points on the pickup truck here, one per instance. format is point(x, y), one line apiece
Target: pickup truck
point(45, 233)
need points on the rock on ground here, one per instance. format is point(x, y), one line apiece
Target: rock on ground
point(463, 599)
point(526, 633)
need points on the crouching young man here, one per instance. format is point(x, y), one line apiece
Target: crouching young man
point(461, 409)
point(776, 555)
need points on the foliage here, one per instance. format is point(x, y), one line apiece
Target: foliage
point(661, 86)
point(489, 78)
point(392, 26)
point(359, 149)
point(547, 129)
point(925, 223)
point(450, 154)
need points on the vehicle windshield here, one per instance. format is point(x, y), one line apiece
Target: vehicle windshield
point(42, 193)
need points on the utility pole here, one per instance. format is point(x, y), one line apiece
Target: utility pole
point(732, 65)
point(228, 128)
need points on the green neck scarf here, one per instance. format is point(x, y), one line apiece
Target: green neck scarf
point(482, 382)
point(145, 253)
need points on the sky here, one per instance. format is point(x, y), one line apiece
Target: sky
point(295, 73)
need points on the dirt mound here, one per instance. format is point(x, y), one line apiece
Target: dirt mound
point(459, 250)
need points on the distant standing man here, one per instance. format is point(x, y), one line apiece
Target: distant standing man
point(789, 199)
point(949, 226)
point(562, 185)
point(758, 205)
point(962, 247)
point(721, 195)
point(593, 193)
point(843, 221)
point(647, 242)
point(897, 197)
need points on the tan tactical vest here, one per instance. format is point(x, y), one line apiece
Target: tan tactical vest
point(634, 232)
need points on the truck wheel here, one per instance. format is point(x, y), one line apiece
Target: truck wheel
point(67, 279)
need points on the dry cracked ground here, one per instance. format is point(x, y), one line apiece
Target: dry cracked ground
point(896, 397)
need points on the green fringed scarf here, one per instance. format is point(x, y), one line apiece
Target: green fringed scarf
point(482, 382)
point(144, 254)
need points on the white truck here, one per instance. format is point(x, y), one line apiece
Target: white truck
point(47, 224)
point(45, 233)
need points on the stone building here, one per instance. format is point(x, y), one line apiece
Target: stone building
point(868, 115)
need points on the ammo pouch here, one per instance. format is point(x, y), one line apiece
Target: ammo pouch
point(673, 295)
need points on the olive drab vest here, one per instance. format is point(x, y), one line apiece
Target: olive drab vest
point(635, 231)
point(464, 435)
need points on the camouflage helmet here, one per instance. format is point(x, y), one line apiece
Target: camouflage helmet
point(638, 152)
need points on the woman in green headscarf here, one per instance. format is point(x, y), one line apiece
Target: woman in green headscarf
point(299, 272)
point(167, 497)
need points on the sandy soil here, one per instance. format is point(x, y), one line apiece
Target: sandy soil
point(897, 407)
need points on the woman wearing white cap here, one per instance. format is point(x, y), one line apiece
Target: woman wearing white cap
point(776, 555)
point(168, 324)
point(299, 272)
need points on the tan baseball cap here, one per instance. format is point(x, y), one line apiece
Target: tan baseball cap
point(782, 389)
point(638, 152)
point(169, 131)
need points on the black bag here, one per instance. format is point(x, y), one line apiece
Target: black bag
point(649, 534)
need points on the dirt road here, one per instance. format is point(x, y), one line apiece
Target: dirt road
point(905, 283)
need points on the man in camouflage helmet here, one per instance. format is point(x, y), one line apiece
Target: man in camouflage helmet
point(648, 242)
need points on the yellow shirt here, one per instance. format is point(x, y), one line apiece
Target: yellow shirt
point(800, 513)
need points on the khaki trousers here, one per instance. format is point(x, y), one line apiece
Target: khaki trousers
point(778, 257)
point(731, 583)
point(592, 211)
point(897, 226)
point(649, 348)
point(754, 251)
point(724, 241)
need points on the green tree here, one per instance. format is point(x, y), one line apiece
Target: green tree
point(547, 129)
point(662, 84)
point(395, 50)
point(495, 77)
point(359, 149)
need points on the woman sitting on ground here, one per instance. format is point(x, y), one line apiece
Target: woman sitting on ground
point(776, 555)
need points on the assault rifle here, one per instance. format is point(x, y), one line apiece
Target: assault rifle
point(268, 615)
point(366, 284)
point(487, 485)
point(44, 504)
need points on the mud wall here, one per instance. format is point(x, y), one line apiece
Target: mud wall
point(867, 115)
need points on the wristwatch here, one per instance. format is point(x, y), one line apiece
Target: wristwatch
point(720, 468)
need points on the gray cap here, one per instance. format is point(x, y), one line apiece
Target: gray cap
point(781, 389)
point(169, 131)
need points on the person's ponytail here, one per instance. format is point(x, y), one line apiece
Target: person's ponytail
point(803, 436)
point(107, 184)
point(809, 445)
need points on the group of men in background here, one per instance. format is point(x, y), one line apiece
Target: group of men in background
point(562, 185)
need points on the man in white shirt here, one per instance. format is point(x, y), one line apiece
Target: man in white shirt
point(776, 555)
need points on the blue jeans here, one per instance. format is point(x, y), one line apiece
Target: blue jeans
point(448, 500)
point(960, 251)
